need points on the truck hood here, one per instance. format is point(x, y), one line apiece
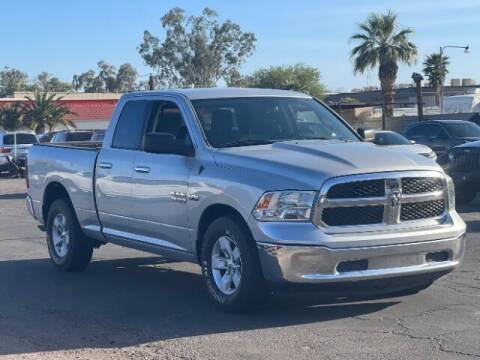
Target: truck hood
point(308, 163)
point(415, 148)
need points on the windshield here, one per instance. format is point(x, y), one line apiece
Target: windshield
point(22, 139)
point(249, 121)
point(390, 138)
point(464, 130)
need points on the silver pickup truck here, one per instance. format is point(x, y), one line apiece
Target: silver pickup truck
point(262, 188)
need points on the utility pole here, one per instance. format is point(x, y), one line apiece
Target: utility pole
point(151, 82)
point(466, 49)
point(417, 78)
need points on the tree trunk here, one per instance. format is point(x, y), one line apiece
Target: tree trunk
point(387, 73)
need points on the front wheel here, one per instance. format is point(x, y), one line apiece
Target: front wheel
point(69, 248)
point(230, 266)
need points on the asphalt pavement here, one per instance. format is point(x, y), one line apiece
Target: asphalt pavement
point(133, 305)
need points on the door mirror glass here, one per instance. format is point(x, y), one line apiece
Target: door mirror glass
point(165, 143)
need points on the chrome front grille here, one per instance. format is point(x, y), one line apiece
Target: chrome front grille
point(381, 200)
point(464, 158)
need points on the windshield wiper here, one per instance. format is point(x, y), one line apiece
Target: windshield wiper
point(248, 142)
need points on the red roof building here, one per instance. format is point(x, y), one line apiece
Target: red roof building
point(92, 110)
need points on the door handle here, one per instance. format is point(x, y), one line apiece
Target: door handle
point(105, 165)
point(142, 169)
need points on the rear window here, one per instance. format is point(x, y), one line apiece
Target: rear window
point(22, 139)
point(79, 136)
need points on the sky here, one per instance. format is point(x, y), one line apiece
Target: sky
point(69, 37)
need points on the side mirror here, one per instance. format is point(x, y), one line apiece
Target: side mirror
point(366, 134)
point(164, 143)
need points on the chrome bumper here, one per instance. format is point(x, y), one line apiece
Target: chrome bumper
point(315, 264)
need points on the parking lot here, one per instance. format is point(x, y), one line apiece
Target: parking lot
point(129, 304)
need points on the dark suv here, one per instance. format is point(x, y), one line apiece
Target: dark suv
point(464, 167)
point(441, 135)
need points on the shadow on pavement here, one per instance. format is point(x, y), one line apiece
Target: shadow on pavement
point(126, 302)
point(16, 196)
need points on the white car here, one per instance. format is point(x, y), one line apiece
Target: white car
point(399, 142)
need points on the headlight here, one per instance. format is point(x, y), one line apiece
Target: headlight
point(451, 193)
point(451, 156)
point(285, 206)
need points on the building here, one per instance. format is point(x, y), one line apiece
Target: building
point(404, 97)
point(92, 110)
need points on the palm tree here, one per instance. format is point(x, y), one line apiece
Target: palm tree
point(11, 117)
point(383, 43)
point(44, 112)
point(431, 69)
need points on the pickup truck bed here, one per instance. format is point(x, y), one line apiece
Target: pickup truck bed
point(73, 167)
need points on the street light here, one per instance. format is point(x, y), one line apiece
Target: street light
point(466, 50)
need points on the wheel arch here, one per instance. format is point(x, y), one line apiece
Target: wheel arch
point(53, 191)
point(211, 213)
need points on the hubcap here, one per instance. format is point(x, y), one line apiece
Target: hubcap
point(60, 236)
point(226, 265)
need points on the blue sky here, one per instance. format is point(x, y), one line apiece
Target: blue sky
point(68, 37)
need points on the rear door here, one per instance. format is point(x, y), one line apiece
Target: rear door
point(114, 171)
point(160, 184)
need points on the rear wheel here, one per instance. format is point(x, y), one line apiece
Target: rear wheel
point(69, 248)
point(231, 267)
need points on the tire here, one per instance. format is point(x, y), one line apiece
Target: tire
point(465, 197)
point(70, 249)
point(246, 292)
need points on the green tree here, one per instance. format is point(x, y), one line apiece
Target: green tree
point(299, 77)
point(11, 117)
point(383, 43)
point(431, 70)
point(126, 78)
point(48, 82)
point(12, 80)
point(44, 111)
point(197, 50)
point(108, 79)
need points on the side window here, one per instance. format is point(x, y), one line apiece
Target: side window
point(437, 131)
point(165, 118)
point(421, 130)
point(130, 124)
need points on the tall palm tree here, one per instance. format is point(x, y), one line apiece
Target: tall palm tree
point(431, 69)
point(383, 43)
point(11, 117)
point(44, 112)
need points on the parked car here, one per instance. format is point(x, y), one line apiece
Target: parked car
point(75, 135)
point(98, 135)
point(464, 168)
point(396, 141)
point(441, 135)
point(7, 167)
point(47, 137)
point(227, 179)
point(16, 145)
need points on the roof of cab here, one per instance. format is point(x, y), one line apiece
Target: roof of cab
point(225, 92)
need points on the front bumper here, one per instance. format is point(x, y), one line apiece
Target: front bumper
point(318, 264)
